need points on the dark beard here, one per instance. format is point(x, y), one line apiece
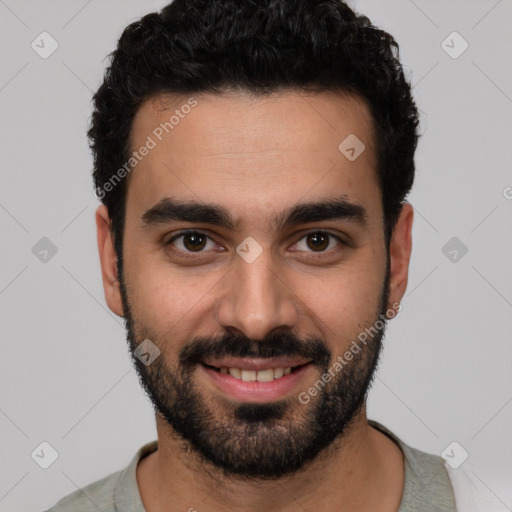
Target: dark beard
point(255, 441)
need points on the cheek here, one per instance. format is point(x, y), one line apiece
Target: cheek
point(166, 301)
point(344, 304)
point(160, 301)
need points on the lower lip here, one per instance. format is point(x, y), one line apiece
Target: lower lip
point(255, 391)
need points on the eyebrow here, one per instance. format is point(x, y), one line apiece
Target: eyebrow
point(169, 209)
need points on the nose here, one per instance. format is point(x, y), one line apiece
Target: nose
point(256, 299)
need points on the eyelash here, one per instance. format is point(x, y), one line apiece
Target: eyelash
point(192, 254)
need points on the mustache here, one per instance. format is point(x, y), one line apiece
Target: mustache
point(274, 345)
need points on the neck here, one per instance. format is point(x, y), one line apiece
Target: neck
point(363, 470)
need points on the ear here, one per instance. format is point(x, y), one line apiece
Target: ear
point(108, 261)
point(400, 248)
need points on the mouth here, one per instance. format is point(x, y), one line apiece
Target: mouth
point(265, 375)
point(256, 380)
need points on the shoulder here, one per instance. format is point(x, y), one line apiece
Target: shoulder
point(472, 495)
point(429, 477)
point(427, 486)
point(422, 466)
point(116, 492)
point(98, 495)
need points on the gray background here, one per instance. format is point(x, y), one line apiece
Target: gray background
point(66, 377)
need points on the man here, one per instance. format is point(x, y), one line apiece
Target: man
point(253, 159)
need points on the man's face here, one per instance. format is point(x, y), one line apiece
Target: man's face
point(263, 295)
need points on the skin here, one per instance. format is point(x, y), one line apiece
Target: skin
point(257, 156)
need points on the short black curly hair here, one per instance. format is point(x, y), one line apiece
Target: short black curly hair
point(261, 46)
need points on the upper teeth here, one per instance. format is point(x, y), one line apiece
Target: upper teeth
point(260, 376)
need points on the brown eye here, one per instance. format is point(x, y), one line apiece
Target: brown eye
point(192, 241)
point(318, 241)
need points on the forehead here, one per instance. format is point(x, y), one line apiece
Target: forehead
point(253, 153)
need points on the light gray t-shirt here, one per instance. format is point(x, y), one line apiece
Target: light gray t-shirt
point(427, 486)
